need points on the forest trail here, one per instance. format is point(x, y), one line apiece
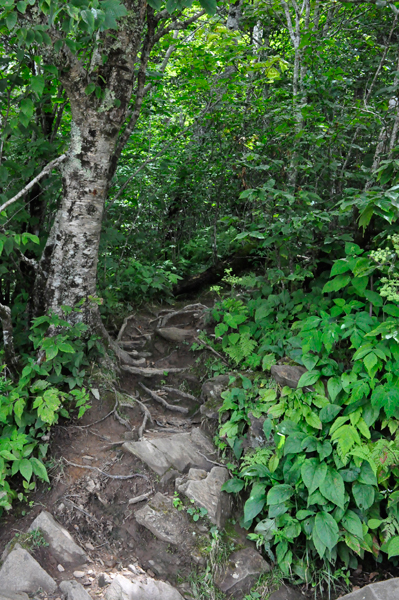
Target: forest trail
point(129, 448)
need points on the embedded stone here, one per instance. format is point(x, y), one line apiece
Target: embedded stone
point(74, 590)
point(20, 572)
point(287, 375)
point(142, 588)
point(242, 571)
point(61, 544)
point(164, 520)
point(383, 590)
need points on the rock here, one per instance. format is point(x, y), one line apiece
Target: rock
point(384, 590)
point(61, 544)
point(286, 593)
point(175, 334)
point(104, 579)
point(287, 374)
point(60, 568)
point(211, 396)
point(74, 590)
point(206, 491)
point(165, 521)
point(8, 595)
point(255, 436)
point(179, 451)
point(243, 570)
point(79, 574)
point(142, 588)
point(22, 573)
point(169, 477)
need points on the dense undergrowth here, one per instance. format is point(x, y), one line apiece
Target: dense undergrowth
point(324, 486)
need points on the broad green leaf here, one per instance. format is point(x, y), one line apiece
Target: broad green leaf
point(391, 309)
point(386, 397)
point(65, 347)
point(374, 298)
point(308, 378)
point(313, 474)
point(233, 485)
point(363, 495)
point(339, 267)
point(255, 502)
point(326, 529)
point(39, 469)
point(352, 523)
point(11, 20)
point(333, 487)
point(337, 283)
point(334, 386)
point(370, 360)
point(360, 284)
point(220, 329)
point(279, 493)
point(209, 5)
point(37, 83)
point(328, 413)
point(393, 547)
point(25, 468)
point(51, 352)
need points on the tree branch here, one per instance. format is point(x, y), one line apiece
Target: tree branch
point(51, 165)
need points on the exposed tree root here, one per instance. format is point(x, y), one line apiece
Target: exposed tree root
point(148, 371)
point(179, 393)
point(189, 309)
point(106, 474)
point(212, 350)
point(154, 396)
point(145, 411)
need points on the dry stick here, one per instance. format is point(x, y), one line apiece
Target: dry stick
point(213, 462)
point(179, 393)
point(80, 509)
point(212, 350)
point(154, 396)
point(95, 422)
point(104, 473)
point(140, 498)
point(149, 371)
point(51, 165)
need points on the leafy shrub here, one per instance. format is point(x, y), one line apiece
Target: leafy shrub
point(326, 484)
point(29, 406)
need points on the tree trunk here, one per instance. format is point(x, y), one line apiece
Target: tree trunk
point(71, 252)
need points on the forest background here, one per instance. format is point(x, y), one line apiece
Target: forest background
point(142, 144)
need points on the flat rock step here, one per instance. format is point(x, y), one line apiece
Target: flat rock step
point(384, 590)
point(181, 451)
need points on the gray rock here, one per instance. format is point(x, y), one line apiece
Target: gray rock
point(165, 521)
point(61, 544)
point(74, 590)
point(384, 590)
point(142, 588)
point(104, 579)
point(242, 572)
point(255, 436)
point(206, 491)
point(175, 334)
point(6, 595)
point(22, 573)
point(287, 374)
point(179, 451)
point(211, 396)
point(286, 593)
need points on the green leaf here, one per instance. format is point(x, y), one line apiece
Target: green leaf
point(370, 360)
point(391, 309)
point(37, 83)
point(337, 283)
point(328, 413)
point(220, 329)
point(339, 267)
point(360, 284)
point(347, 437)
point(11, 20)
point(334, 386)
point(209, 5)
point(309, 378)
point(255, 502)
point(313, 474)
point(352, 249)
point(90, 89)
point(326, 529)
point(333, 487)
point(233, 485)
point(279, 493)
point(51, 352)
point(363, 495)
point(39, 469)
point(65, 347)
point(352, 523)
point(386, 397)
point(374, 298)
point(234, 320)
point(156, 4)
point(393, 547)
point(25, 468)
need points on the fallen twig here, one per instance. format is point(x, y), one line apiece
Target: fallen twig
point(179, 393)
point(145, 411)
point(160, 400)
point(95, 422)
point(212, 350)
point(106, 474)
point(138, 499)
point(79, 509)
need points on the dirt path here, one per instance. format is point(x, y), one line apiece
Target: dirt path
point(93, 477)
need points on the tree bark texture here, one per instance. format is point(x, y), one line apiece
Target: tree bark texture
point(69, 262)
